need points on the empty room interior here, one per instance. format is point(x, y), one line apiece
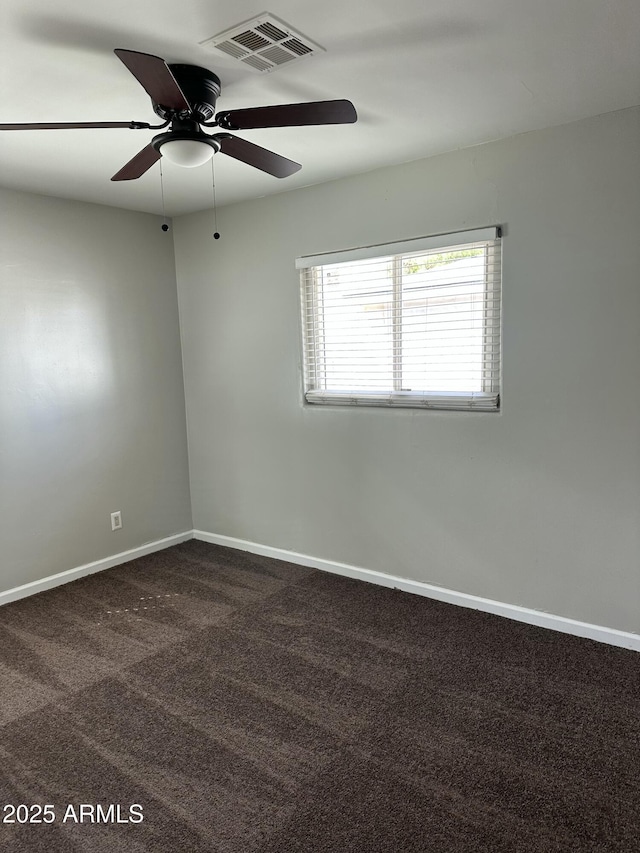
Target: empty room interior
point(320, 427)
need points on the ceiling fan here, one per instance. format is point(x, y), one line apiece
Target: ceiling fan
point(184, 97)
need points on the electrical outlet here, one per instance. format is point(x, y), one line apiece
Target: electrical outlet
point(116, 520)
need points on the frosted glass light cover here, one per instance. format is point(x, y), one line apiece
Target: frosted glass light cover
point(187, 152)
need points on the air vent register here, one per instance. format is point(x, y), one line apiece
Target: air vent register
point(263, 43)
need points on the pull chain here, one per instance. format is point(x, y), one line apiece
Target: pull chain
point(165, 226)
point(216, 235)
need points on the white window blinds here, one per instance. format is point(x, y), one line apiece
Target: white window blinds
point(415, 323)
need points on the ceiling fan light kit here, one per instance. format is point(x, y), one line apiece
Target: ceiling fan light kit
point(184, 97)
point(188, 153)
point(185, 144)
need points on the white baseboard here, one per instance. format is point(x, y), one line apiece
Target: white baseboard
point(89, 568)
point(611, 636)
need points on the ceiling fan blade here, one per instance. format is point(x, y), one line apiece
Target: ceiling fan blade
point(254, 155)
point(138, 165)
point(66, 125)
point(156, 78)
point(289, 115)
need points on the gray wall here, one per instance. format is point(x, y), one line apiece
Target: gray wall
point(91, 392)
point(537, 506)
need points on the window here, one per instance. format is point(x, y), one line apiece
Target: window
point(415, 323)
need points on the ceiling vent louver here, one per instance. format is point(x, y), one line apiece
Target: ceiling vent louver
point(263, 43)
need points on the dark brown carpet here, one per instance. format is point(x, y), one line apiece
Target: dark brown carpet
point(253, 706)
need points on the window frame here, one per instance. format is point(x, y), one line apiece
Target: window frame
point(311, 294)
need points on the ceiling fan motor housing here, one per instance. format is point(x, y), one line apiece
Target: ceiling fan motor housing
point(201, 88)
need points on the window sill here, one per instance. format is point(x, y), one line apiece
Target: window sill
point(447, 401)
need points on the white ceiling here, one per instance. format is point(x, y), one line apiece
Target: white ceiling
point(425, 77)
